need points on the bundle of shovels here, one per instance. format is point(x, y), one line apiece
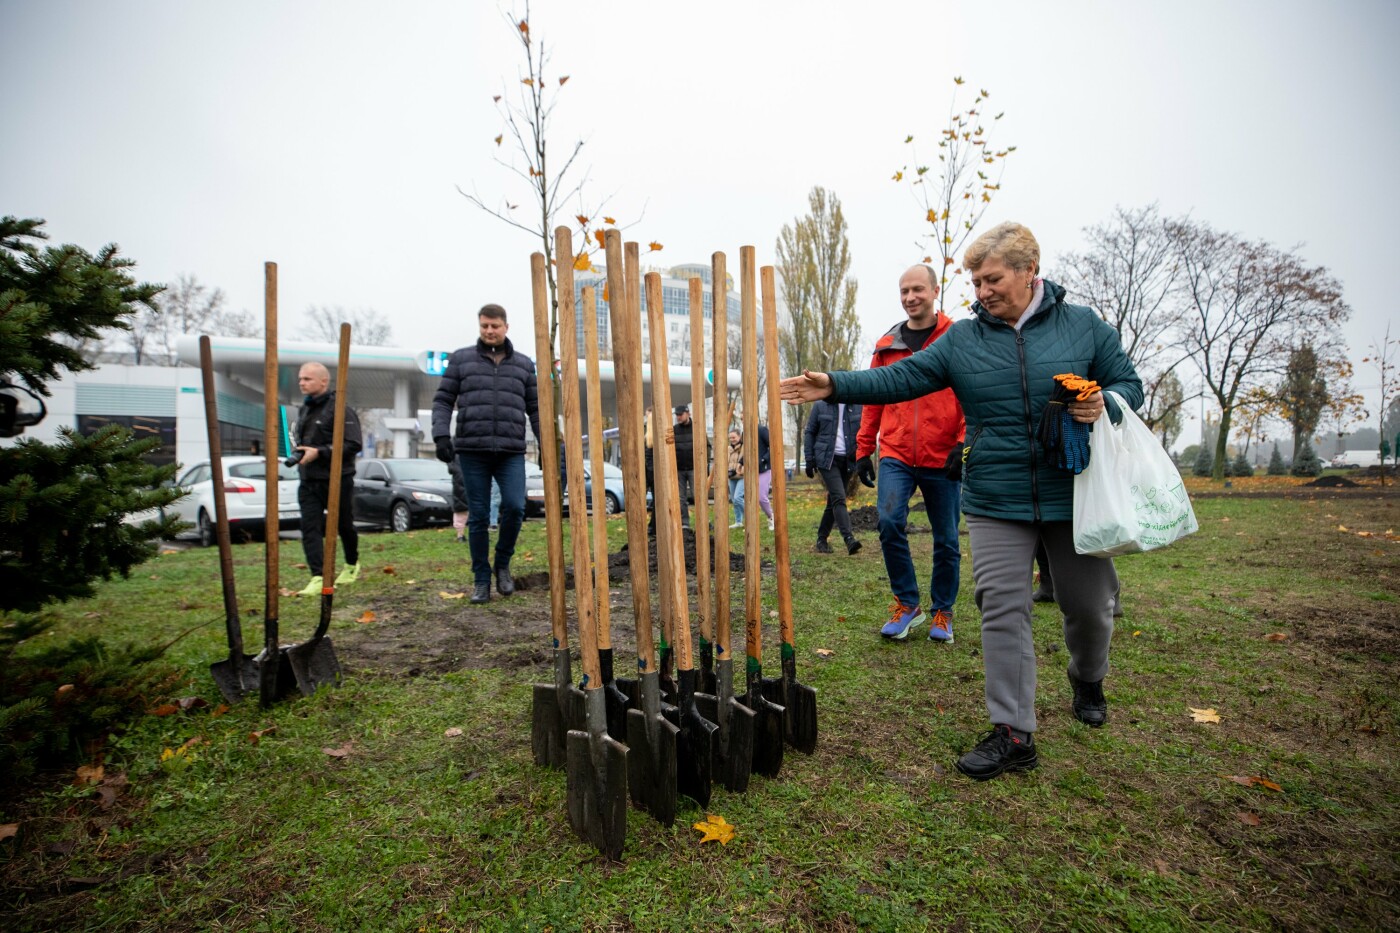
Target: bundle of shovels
point(655, 736)
point(278, 670)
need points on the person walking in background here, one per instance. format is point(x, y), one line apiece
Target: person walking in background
point(315, 434)
point(492, 387)
point(765, 473)
point(459, 500)
point(685, 460)
point(829, 447)
point(920, 442)
point(1002, 363)
point(736, 476)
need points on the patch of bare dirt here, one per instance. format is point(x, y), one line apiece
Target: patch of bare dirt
point(417, 632)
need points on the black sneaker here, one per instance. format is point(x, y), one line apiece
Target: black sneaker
point(1043, 596)
point(852, 546)
point(998, 751)
point(1090, 707)
point(481, 593)
point(505, 584)
point(822, 548)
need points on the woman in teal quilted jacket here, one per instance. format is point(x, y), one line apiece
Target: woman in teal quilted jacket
point(1001, 364)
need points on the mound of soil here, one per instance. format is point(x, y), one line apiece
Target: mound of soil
point(1332, 481)
point(867, 518)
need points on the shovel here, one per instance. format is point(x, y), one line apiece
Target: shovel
point(557, 707)
point(732, 748)
point(695, 740)
point(720, 368)
point(615, 700)
point(651, 739)
point(799, 701)
point(238, 675)
point(313, 662)
point(597, 762)
point(275, 678)
point(768, 716)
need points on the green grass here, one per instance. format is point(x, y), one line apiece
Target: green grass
point(1134, 826)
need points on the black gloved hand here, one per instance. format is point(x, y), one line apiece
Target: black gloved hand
point(865, 469)
point(955, 462)
point(445, 452)
point(811, 470)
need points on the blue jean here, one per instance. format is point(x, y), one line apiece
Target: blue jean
point(942, 501)
point(736, 498)
point(508, 471)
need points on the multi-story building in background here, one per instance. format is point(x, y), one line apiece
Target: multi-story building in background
point(675, 305)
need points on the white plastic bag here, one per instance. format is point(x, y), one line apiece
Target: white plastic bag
point(1130, 497)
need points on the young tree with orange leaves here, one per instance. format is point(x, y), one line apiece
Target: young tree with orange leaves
point(955, 197)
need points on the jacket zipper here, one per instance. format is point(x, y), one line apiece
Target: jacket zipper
point(1030, 435)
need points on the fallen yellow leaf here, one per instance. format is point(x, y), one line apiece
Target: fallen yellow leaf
point(366, 616)
point(715, 829)
point(1204, 715)
point(1341, 527)
point(452, 733)
point(446, 595)
point(825, 653)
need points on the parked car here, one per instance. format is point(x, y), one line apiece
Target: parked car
point(402, 494)
point(245, 497)
point(614, 500)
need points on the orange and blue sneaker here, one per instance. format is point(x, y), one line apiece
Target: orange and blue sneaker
point(902, 619)
point(941, 628)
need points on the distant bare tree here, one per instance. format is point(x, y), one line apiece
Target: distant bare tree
point(186, 306)
point(367, 326)
point(1244, 307)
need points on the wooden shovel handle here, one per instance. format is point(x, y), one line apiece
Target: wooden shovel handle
point(342, 371)
point(271, 424)
point(549, 453)
point(595, 457)
point(573, 456)
point(216, 469)
point(627, 363)
point(753, 555)
point(783, 558)
point(719, 363)
point(668, 506)
point(700, 462)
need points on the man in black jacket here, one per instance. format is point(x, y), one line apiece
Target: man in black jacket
point(685, 460)
point(829, 446)
point(315, 432)
point(492, 387)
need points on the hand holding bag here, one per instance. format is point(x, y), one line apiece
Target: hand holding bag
point(1130, 497)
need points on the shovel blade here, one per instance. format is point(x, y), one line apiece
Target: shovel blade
point(651, 765)
point(767, 733)
point(236, 678)
point(617, 704)
point(731, 751)
point(314, 665)
point(695, 741)
point(597, 794)
point(548, 731)
point(799, 704)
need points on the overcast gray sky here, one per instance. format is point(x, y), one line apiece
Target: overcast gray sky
point(206, 138)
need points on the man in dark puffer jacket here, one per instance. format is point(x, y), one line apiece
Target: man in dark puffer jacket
point(492, 386)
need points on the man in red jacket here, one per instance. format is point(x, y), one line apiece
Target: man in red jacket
point(920, 449)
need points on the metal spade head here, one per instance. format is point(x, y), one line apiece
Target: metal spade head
point(236, 679)
point(313, 664)
point(799, 703)
point(597, 781)
point(651, 764)
point(557, 708)
point(694, 744)
point(767, 730)
point(732, 748)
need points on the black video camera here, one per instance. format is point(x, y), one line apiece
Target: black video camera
point(294, 459)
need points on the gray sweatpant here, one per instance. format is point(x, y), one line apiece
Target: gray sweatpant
point(1002, 555)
